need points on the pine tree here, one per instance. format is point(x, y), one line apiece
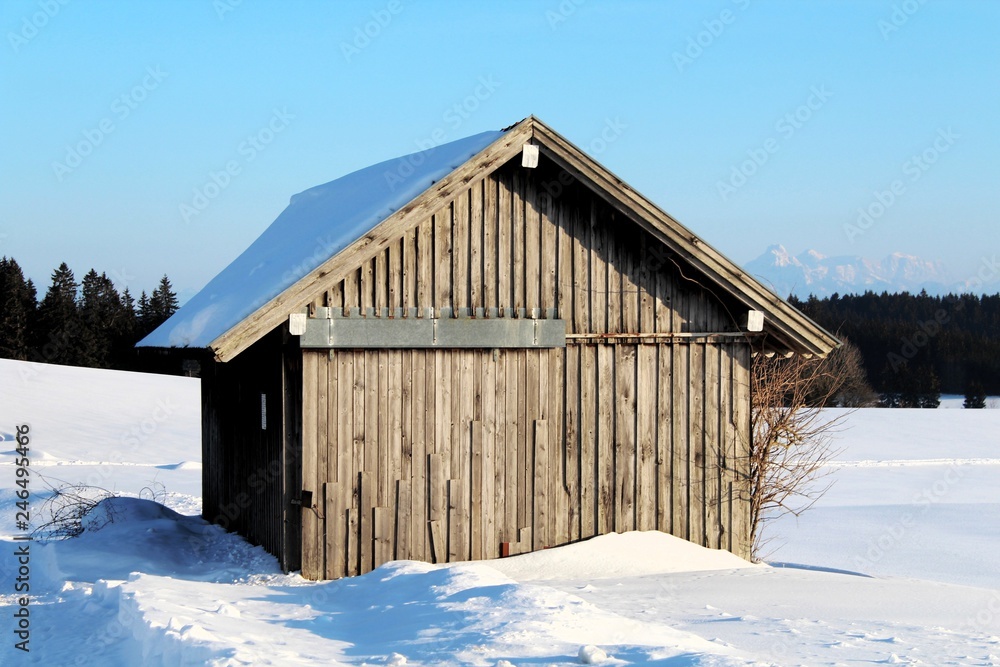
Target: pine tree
point(57, 332)
point(17, 310)
point(164, 301)
point(975, 396)
point(102, 316)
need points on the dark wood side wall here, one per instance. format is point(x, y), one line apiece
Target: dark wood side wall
point(243, 458)
point(443, 455)
point(535, 238)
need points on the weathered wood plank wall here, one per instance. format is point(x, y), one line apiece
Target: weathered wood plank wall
point(445, 454)
point(485, 479)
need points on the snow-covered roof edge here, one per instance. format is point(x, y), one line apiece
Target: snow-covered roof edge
point(317, 224)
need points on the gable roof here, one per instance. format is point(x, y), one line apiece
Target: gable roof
point(316, 225)
point(325, 228)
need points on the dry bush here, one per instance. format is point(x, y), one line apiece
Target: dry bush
point(791, 437)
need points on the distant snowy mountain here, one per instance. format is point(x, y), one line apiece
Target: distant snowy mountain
point(813, 273)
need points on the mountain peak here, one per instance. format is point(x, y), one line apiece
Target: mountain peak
point(812, 272)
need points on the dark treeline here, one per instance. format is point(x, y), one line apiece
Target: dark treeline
point(916, 346)
point(86, 323)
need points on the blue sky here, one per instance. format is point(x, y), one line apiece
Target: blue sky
point(142, 138)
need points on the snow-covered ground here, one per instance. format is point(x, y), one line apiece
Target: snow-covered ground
point(896, 564)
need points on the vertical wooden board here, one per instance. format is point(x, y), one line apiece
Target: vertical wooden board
point(442, 406)
point(336, 530)
point(381, 475)
point(588, 438)
point(567, 437)
point(366, 545)
point(442, 259)
point(697, 425)
point(625, 440)
point(382, 519)
point(381, 281)
point(584, 282)
point(713, 489)
point(742, 545)
point(476, 245)
point(532, 247)
point(342, 419)
point(501, 528)
point(394, 273)
point(459, 429)
point(599, 287)
point(726, 450)
point(360, 424)
point(431, 359)
point(646, 394)
point(564, 284)
point(404, 521)
point(676, 303)
point(351, 296)
point(310, 476)
point(489, 542)
point(540, 523)
point(505, 284)
point(371, 460)
point(418, 494)
point(615, 305)
point(409, 298)
point(439, 543)
point(425, 265)
point(490, 242)
point(629, 286)
point(543, 413)
point(477, 499)
point(470, 407)
point(367, 285)
point(394, 364)
point(458, 521)
point(517, 239)
point(438, 495)
point(406, 387)
point(353, 567)
point(646, 278)
point(664, 438)
point(660, 278)
point(607, 398)
point(335, 296)
point(527, 413)
point(555, 392)
point(325, 449)
point(548, 253)
point(680, 441)
point(460, 251)
point(514, 468)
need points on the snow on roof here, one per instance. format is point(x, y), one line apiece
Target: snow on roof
point(317, 224)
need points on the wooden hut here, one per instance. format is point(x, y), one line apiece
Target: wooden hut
point(486, 348)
